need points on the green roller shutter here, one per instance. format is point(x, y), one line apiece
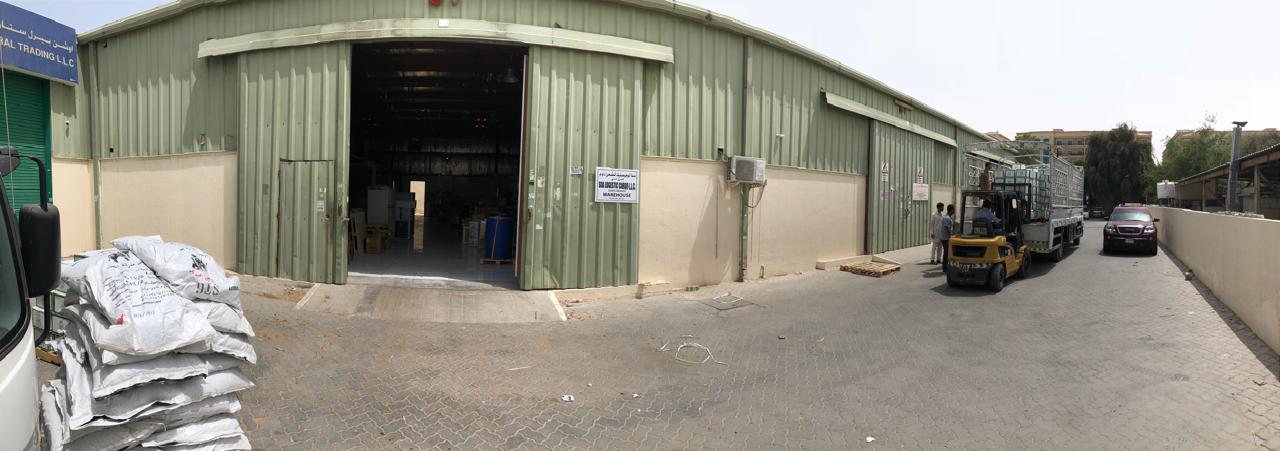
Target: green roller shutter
point(26, 118)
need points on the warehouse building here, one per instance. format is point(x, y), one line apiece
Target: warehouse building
point(37, 58)
point(288, 137)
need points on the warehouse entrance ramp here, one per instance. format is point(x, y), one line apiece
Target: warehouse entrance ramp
point(436, 146)
point(431, 300)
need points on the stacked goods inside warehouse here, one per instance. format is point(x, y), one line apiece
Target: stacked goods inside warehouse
point(435, 155)
point(153, 355)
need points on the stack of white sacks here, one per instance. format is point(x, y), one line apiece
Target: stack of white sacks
point(152, 359)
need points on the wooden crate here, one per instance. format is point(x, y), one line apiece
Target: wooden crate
point(873, 269)
point(376, 244)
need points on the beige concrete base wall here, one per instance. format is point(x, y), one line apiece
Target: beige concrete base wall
point(805, 216)
point(189, 199)
point(73, 194)
point(689, 222)
point(1235, 257)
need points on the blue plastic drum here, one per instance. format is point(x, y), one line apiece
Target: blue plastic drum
point(499, 238)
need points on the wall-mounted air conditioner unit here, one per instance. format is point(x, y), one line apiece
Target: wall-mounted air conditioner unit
point(746, 170)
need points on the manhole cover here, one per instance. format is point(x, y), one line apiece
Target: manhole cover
point(726, 302)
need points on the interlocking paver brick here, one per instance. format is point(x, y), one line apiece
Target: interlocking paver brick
point(1095, 352)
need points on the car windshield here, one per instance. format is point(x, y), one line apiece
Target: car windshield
point(1131, 215)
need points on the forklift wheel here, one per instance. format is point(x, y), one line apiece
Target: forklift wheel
point(951, 282)
point(995, 279)
point(1026, 266)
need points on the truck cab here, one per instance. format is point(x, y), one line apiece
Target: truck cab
point(989, 247)
point(29, 268)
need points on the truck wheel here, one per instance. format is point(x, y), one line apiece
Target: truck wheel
point(995, 278)
point(1057, 254)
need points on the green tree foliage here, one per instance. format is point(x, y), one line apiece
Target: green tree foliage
point(1118, 167)
point(1260, 142)
point(1203, 150)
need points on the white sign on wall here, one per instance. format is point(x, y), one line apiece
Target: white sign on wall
point(920, 191)
point(617, 186)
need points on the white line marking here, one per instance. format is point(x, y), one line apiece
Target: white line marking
point(306, 297)
point(551, 295)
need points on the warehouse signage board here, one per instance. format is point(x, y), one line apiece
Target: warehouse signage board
point(37, 45)
point(920, 191)
point(620, 186)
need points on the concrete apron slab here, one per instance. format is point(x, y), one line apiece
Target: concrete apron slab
point(431, 301)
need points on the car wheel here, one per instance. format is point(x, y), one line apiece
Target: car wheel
point(1155, 250)
point(995, 278)
point(1026, 266)
point(1105, 248)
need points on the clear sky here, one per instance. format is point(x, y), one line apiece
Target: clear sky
point(1008, 65)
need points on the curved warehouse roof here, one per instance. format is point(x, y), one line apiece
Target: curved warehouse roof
point(179, 7)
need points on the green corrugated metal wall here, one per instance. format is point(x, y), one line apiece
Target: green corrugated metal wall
point(894, 220)
point(295, 106)
point(69, 120)
point(943, 170)
point(696, 101)
point(585, 109)
point(305, 225)
point(25, 118)
point(791, 124)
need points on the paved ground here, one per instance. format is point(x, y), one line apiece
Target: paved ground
point(431, 300)
point(1099, 352)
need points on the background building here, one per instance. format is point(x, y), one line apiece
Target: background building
point(260, 131)
point(1073, 145)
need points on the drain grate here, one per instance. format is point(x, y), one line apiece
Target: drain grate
point(726, 301)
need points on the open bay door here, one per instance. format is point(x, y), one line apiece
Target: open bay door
point(294, 122)
point(583, 126)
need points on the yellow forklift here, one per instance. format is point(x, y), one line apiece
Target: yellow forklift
point(988, 248)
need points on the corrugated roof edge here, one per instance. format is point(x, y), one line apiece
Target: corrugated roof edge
point(179, 7)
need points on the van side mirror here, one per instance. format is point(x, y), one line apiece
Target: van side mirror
point(39, 229)
point(1155, 220)
point(41, 233)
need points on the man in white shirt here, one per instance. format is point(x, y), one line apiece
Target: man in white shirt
point(935, 235)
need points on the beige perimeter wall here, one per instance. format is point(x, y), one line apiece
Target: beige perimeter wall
point(73, 194)
point(189, 199)
point(1240, 266)
point(804, 216)
point(690, 221)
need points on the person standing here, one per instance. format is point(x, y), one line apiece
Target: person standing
point(935, 235)
point(948, 229)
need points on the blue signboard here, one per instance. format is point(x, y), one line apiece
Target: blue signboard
point(37, 45)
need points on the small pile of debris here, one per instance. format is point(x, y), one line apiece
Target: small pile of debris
point(1242, 215)
point(152, 355)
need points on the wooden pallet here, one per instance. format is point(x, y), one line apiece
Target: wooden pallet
point(873, 269)
point(485, 261)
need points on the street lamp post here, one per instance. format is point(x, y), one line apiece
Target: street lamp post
point(1233, 178)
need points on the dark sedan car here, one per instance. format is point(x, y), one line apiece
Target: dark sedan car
point(1131, 228)
point(1097, 213)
